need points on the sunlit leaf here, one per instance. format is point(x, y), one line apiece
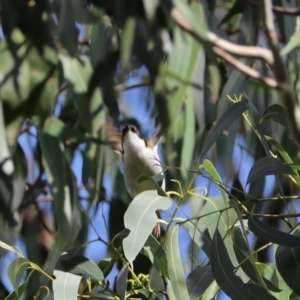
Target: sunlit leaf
point(15, 271)
point(140, 218)
point(80, 265)
point(175, 269)
point(65, 286)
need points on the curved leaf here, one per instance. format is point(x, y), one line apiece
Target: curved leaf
point(268, 166)
point(288, 265)
point(175, 269)
point(80, 265)
point(140, 218)
point(198, 281)
point(156, 254)
point(121, 283)
point(223, 270)
point(277, 114)
point(15, 272)
point(270, 234)
point(228, 117)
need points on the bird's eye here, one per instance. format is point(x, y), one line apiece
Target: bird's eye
point(133, 129)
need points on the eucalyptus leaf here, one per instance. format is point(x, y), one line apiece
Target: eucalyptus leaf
point(140, 218)
point(65, 286)
point(268, 166)
point(270, 234)
point(175, 269)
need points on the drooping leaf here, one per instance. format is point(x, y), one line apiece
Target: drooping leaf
point(175, 269)
point(157, 255)
point(15, 272)
point(147, 295)
point(288, 265)
point(80, 265)
point(229, 116)
point(106, 265)
point(140, 218)
point(121, 282)
point(65, 286)
point(277, 114)
point(223, 270)
point(16, 295)
point(247, 262)
point(198, 281)
point(270, 234)
point(237, 8)
point(12, 249)
point(268, 166)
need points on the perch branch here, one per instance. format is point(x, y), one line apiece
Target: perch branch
point(281, 74)
point(234, 49)
point(292, 11)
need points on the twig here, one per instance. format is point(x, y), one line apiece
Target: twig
point(239, 50)
point(281, 74)
point(292, 11)
point(268, 81)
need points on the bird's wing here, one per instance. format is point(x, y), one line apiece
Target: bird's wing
point(152, 143)
point(113, 137)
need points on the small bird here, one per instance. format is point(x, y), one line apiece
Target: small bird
point(139, 157)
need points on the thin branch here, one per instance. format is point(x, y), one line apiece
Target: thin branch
point(239, 50)
point(268, 81)
point(281, 74)
point(292, 11)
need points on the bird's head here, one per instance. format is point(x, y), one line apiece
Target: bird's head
point(131, 138)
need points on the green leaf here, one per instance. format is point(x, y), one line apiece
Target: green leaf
point(150, 7)
point(140, 218)
point(15, 272)
point(106, 265)
point(199, 235)
point(276, 113)
point(292, 43)
point(189, 135)
point(6, 163)
point(80, 265)
point(175, 269)
point(127, 40)
point(198, 281)
point(147, 295)
point(157, 255)
point(269, 234)
point(244, 258)
point(12, 249)
point(223, 270)
point(237, 8)
point(229, 116)
point(64, 191)
point(288, 265)
point(268, 166)
point(121, 283)
point(67, 31)
point(210, 168)
point(65, 286)
point(21, 290)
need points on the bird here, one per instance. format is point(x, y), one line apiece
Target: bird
point(138, 157)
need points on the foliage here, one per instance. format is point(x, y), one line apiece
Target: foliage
point(225, 90)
